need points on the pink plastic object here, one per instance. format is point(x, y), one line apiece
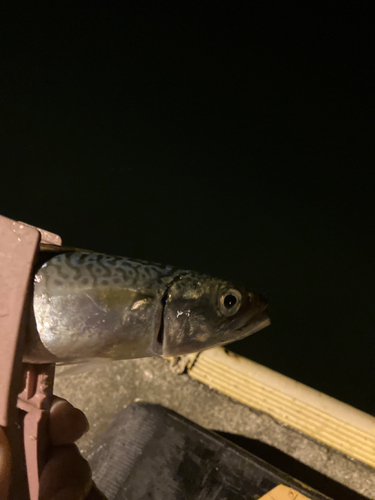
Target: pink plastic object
point(28, 387)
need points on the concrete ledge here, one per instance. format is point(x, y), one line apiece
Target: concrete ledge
point(101, 393)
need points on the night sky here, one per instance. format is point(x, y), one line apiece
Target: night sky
point(239, 143)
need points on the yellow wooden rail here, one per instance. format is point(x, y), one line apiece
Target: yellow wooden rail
point(326, 419)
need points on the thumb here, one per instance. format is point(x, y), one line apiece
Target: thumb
point(4, 465)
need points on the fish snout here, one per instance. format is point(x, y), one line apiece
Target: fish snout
point(261, 302)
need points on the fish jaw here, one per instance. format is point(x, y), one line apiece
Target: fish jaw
point(254, 326)
point(178, 342)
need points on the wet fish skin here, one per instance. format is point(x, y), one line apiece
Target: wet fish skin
point(88, 305)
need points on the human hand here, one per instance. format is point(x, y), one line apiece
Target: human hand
point(66, 475)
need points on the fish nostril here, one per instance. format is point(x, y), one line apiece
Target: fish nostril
point(263, 300)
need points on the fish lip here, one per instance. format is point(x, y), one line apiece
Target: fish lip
point(255, 324)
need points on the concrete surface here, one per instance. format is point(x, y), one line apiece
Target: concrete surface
point(102, 392)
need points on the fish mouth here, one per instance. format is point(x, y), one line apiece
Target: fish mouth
point(253, 325)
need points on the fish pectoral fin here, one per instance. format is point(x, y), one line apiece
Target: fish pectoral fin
point(141, 302)
point(111, 299)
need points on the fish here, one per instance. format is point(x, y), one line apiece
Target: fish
point(88, 305)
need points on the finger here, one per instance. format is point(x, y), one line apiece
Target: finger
point(66, 475)
point(4, 465)
point(67, 423)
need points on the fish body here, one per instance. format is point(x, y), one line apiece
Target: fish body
point(89, 305)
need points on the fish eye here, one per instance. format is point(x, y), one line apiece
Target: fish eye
point(230, 302)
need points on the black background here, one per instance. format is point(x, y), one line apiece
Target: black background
point(237, 141)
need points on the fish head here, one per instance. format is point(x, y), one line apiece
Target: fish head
point(202, 312)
